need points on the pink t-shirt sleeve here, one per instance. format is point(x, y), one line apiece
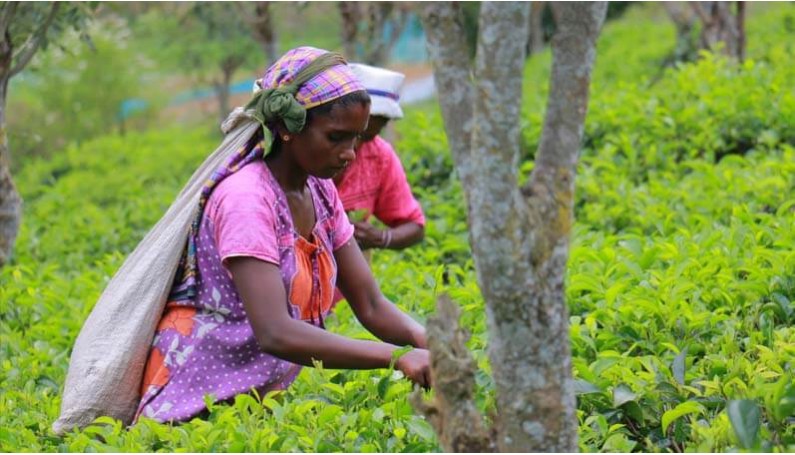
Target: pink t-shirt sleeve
point(395, 203)
point(243, 220)
point(342, 227)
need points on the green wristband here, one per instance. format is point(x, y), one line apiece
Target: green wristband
point(397, 354)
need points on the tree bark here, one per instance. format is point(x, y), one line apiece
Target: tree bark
point(719, 24)
point(449, 53)
point(453, 413)
point(264, 31)
point(31, 45)
point(741, 30)
point(10, 201)
point(228, 68)
point(535, 40)
point(519, 237)
point(684, 20)
point(350, 13)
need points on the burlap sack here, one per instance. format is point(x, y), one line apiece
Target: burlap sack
point(107, 363)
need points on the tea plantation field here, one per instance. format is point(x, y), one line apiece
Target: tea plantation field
point(681, 280)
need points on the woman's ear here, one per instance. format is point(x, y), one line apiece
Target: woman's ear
point(282, 131)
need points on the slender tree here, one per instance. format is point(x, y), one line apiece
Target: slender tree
point(519, 235)
point(208, 41)
point(25, 28)
point(535, 39)
point(364, 29)
point(684, 19)
point(719, 24)
point(259, 18)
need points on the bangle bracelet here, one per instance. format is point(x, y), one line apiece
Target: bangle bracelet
point(388, 240)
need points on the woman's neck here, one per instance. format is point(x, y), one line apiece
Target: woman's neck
point(286, 171)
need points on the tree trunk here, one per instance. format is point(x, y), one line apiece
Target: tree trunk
point(350, 14)
point(222, 92)
point(719, 24)
point(535, 40)
point(10, 201)
point(519, 237)
point(453, 413)
point(264, 31)
point(684, 20)
point(378, 46)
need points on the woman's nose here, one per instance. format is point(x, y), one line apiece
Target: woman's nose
point(349, 154)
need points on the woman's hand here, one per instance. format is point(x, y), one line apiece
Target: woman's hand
point(367, 235)
point(416, 365)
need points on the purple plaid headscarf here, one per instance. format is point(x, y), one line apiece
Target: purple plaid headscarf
point(329, 85)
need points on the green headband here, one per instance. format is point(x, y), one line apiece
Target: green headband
point(280, 104)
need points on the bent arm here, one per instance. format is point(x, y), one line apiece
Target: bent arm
point(405, 235)
point(378, 315)
point(260, 286)
point(401, 236)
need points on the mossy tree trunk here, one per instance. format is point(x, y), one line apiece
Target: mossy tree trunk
point(519, 235)
point(12, 60)
point(10, 201)
point(372, 45)
point(264, 31)
point(684, 19)
point(722, 22)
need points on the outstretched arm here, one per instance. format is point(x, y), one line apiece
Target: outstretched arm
point(262, 291)
point(380, 316)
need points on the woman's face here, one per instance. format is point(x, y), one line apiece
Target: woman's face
point(377, 123)
point(325, 147)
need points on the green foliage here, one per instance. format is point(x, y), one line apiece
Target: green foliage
point(200, 39)
point(681, 279)
point(709, 108)
point(75, 92)
point(28, 19)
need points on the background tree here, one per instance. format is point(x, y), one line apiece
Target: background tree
point(718, 24)
point(259, 17)
point(25, 28)
point(519, 235)
point(225, 44)
point(209, 41)
point(535, 38)
point(371, 29)
point(684, 19)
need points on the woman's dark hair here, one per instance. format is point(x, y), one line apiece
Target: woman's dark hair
point(350, 99)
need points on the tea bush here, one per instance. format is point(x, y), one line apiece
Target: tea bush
point(681, 278)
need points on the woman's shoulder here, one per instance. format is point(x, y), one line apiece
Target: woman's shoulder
point(250, 179)
point(248, 186)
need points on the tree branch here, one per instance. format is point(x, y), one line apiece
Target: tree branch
point(499, 228)
point(705, 19)
point(550, 188)
point(33, 42)
point(741, 31)
point(6, 14)
point(452, 412)
point(350, 14)
point(452, 72)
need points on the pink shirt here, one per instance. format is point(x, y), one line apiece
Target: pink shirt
point(242, 210)
point(376, 182)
